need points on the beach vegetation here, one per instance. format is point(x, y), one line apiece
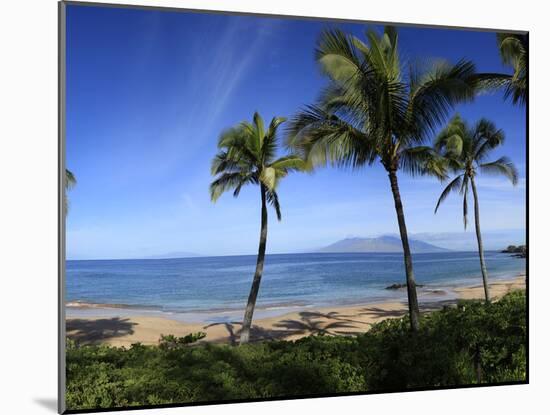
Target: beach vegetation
point(466, 149)
point(472, 343)
point(173, 342)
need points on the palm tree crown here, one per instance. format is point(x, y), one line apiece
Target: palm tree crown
point(466, 149)
point(374, 109)
point(513, 51)
point(248, 156)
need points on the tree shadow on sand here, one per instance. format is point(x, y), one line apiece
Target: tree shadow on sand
point(257, 333)
point(378, 313)
point(96, 331)
point(311, 323)
point(331, 323)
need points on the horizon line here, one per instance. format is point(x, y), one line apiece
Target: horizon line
point(280, 253)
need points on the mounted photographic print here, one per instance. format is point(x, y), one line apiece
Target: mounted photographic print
point(258, 207)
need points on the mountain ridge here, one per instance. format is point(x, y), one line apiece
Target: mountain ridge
point(385, 243)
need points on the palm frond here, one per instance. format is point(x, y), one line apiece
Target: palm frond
point(453, 185)
point(290, 162)
point(269, 142)
point(70, 182)
point(228, 162)
point(502, 166)
point(464, 191)
point(259, 130)
point(336, 55)
point(513, 50)
point(450, 140)
point(70, 179)
point(383, 52)
point(228, 181)
point(437, 91)
point(321, 138)
point(268, 177)
point(491, 82)
point(273, 200)
point(423, 160)
point(486, 136)
point(239, 144)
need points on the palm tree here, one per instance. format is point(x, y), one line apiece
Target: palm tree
point(466, 150)
point(248, 156)
point(70, 182)
point(513, 50)
point(374, 110)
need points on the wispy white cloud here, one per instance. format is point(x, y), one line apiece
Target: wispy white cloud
point(209, 86)
point(500, 184)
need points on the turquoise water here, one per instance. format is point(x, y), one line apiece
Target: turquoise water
point(221, 284)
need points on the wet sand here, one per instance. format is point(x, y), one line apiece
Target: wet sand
point(347, 320)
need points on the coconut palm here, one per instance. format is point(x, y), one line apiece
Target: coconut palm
point(248, 156)
point(374, 109)
point(466, 149)
point(513, 50)
point(70, 182)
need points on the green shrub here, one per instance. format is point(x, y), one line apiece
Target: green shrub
point(169, 342)
point(473, 342)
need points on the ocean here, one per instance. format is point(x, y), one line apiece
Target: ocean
point(216, 288)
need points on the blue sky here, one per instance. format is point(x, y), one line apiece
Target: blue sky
point(148, 93)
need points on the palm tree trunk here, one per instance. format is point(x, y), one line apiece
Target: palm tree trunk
point(411, 284)
point(247, 321)
point(480, 242)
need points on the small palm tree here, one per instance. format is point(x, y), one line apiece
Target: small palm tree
point(375, 109)
point(466, 150)
point(70, 182)
point(513, 50)
point(248, 156)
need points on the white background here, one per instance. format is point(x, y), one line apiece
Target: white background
point(28, 208)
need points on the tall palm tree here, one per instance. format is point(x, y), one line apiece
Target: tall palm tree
point(466, 149)
point(248, 156)
point(70, 182)
point(513, 50)
point(374, 109)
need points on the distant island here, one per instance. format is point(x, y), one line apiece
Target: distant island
point(519, 251)
point(385, 243)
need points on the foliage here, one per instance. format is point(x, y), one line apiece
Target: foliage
point(248, 156)
point(376, 108)
point(520, 251)
point(513, 49)
point(70, 182)
point(466, 149)
point(170, 342)
point(474, 342)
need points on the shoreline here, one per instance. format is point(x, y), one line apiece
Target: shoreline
point(118, 328)
point(427, 293)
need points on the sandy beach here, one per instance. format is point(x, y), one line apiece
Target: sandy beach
point(349, 320)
